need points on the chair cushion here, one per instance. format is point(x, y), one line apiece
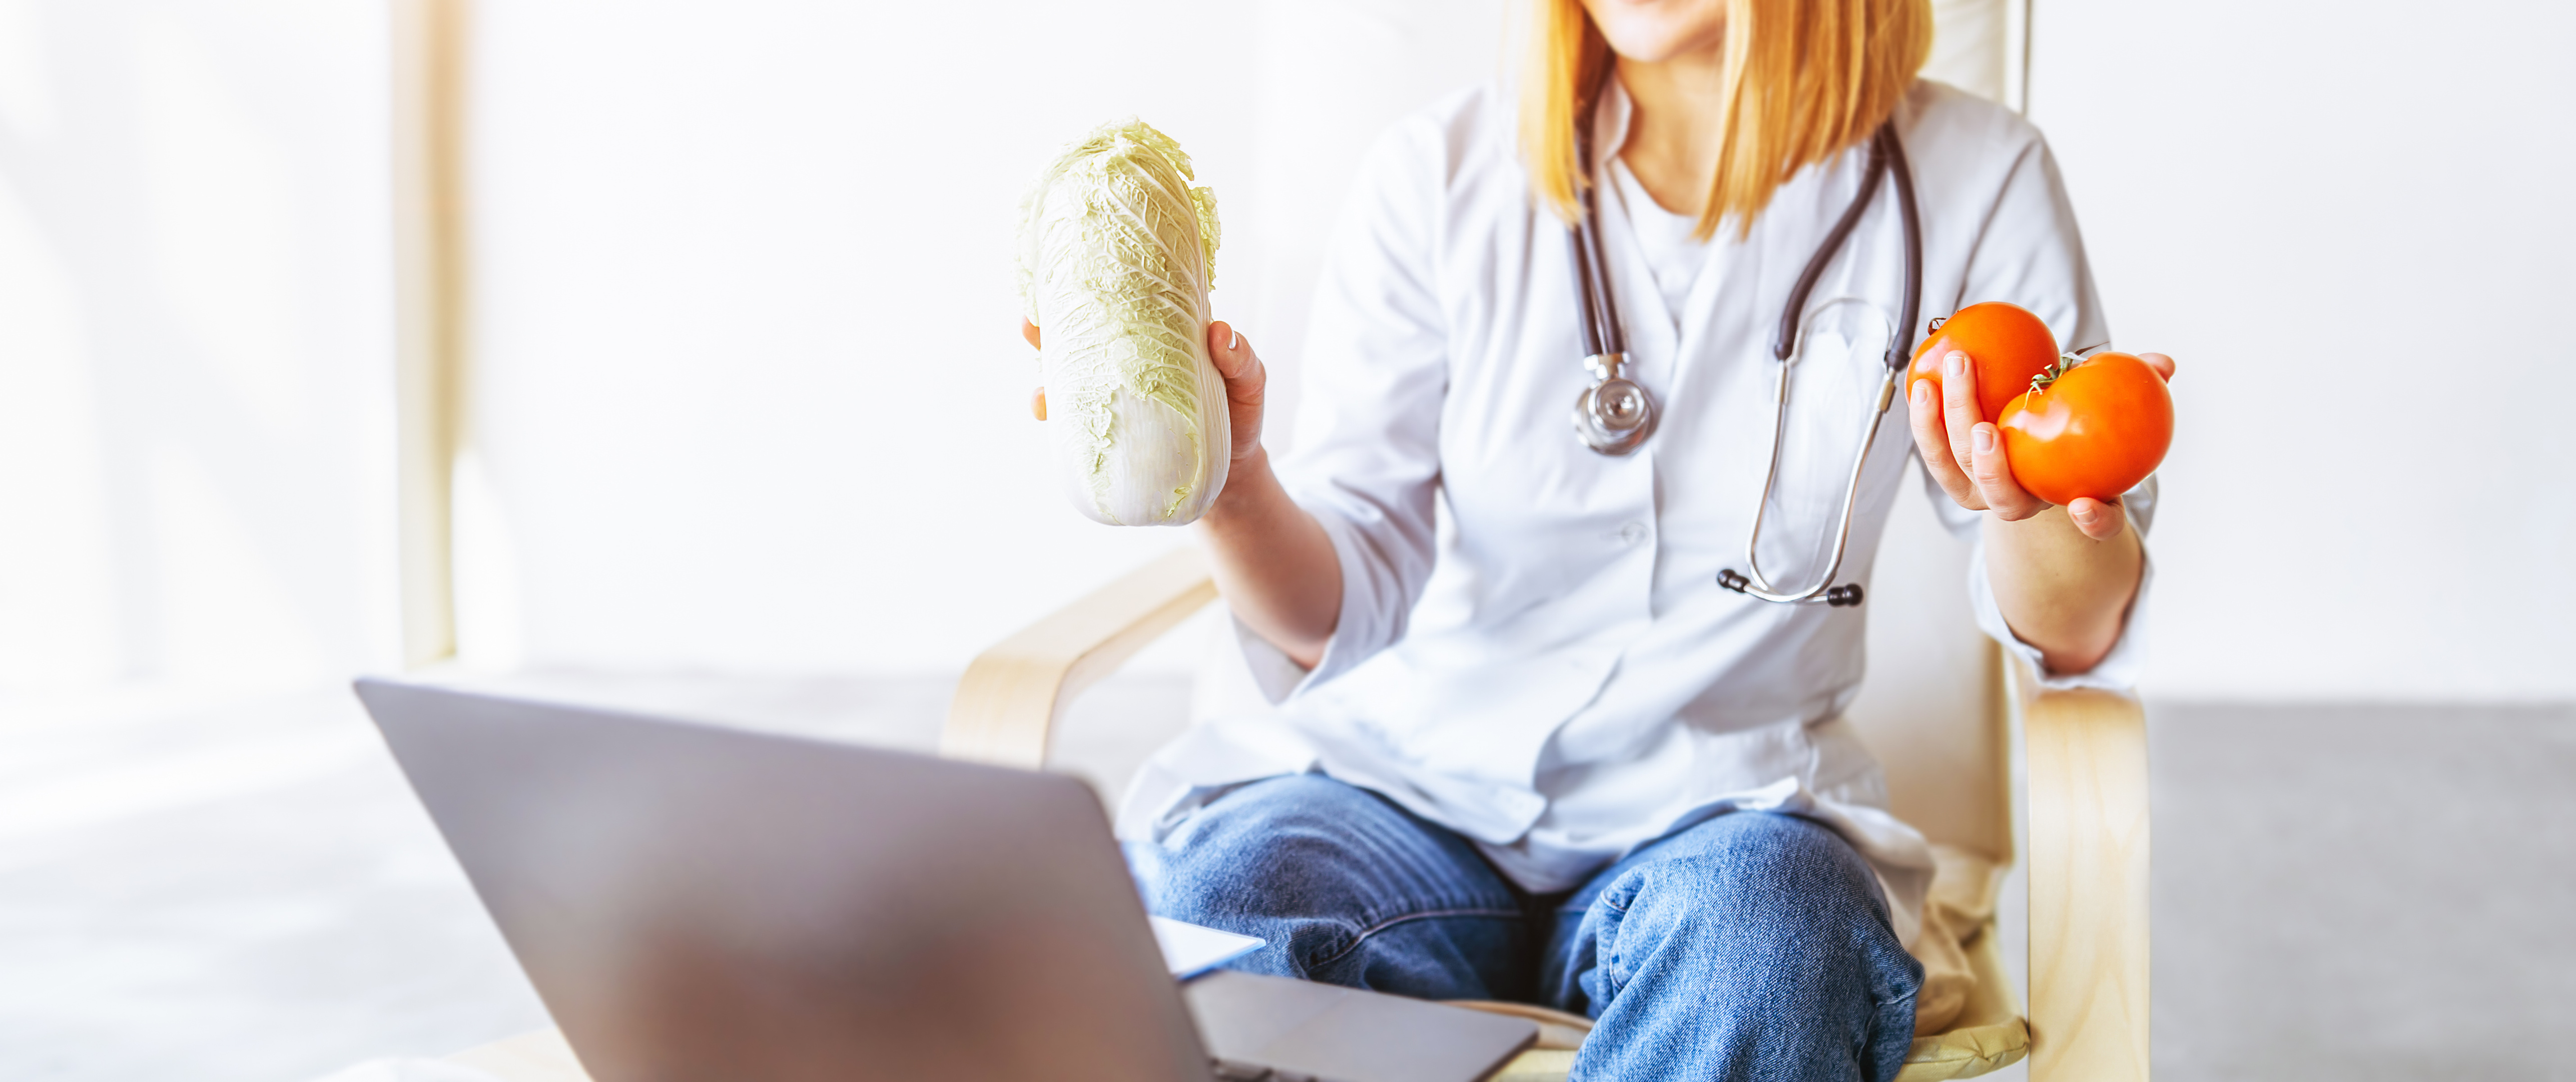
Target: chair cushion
point(1956, 913)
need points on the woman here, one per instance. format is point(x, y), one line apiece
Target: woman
point(1541, 754)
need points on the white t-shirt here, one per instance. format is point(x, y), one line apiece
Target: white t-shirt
point(1673, 255)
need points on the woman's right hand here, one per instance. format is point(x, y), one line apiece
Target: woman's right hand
point(1245, 383)
point(1273, 561)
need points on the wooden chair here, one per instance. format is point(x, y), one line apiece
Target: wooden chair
point(2086, 803)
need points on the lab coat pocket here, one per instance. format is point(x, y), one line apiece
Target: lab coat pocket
point(1832, 395)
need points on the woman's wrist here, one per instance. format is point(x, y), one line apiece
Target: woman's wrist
point(1273, 561)
point(2060, 589)
point(1249, 483)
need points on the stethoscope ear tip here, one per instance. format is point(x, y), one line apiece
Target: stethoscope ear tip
point(1845, 596)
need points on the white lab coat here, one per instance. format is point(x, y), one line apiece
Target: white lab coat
point(1533, 649)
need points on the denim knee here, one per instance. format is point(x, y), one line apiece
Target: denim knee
point(1344, 887)
point(1759, 940)
point(1247, 852)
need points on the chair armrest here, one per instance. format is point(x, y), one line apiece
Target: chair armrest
point(2087, 762)
point(1010, 696)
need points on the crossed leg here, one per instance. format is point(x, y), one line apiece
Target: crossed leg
point(1749, 946)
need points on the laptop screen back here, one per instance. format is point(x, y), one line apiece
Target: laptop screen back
point(694, 902)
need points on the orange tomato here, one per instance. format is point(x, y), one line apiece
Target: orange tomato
point(2006, 343)
point(2100, 427)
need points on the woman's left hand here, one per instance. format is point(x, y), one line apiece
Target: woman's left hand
point(1965, 455)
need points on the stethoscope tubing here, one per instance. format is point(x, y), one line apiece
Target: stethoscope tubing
point(1887, 156)
point(1603, 333)
point(1605, 349)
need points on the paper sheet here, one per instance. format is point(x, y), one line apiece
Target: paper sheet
point(1189, 950)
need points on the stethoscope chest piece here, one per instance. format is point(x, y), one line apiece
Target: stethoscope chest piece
point(1614, 415)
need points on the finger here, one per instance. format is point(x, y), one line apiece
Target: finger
point(1994, 477)
point(1029, 331)
point(1925, 415)
point(1233, 356)
point(1959, 407)
point(1244, 380)
point(1037, 403)
point(2098, 520)
point(2163, 365)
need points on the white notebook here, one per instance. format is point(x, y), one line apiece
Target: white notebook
point(1189, 950)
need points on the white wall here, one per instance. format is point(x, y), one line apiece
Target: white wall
point(195, 372)
point(2350, 224)
point(751, 399)
point(751, 393)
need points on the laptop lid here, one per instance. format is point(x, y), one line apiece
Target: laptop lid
point(696, 902)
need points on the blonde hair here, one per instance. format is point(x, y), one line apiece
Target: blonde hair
point(1805, 79)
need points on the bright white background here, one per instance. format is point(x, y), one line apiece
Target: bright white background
point(749, 397)
point(2350, 223)
point(752, 399)
point(751, 392)
point(195, 369)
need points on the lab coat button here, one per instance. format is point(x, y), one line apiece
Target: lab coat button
point(1632, 533)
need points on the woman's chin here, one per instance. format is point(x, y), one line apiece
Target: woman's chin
point(1654, 31)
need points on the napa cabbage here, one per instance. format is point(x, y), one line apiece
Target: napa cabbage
point(1117, 252)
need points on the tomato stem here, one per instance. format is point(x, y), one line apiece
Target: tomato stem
point(2066, 362)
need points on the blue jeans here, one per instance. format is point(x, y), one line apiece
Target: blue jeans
point(1750, 946)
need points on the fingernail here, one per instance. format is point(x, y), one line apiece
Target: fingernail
point(1922, 392)
point(1233, 339)
point(1985, 439)
point(1955, 363)
point(2085, 517)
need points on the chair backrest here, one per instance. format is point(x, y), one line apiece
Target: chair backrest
point(1932, 708)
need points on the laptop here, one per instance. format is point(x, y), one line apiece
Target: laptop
point(697, 902)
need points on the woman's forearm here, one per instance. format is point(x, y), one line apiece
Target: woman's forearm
point(1274, 563)
point(2061, 591)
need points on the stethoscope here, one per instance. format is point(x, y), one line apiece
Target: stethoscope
point(1615, 415)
